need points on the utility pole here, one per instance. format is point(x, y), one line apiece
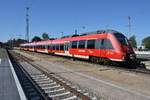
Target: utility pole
point(129, 25)
point(76, 32)
point(27, 24)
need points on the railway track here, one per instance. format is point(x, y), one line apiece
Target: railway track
point(41, 84)
point(140, 68)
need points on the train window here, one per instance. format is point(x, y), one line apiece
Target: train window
point(53, 46)
point(106, 44)
point(90, 44)
point(49, 47)
point(82, 44)
point(121, 38)
point(66, 46)
point(57, 47)
point(42, 47)
point(102, 46)
point(61, 47)
point(74, 44)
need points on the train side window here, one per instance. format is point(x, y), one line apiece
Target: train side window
point(106, 44)
point(90, 44)
point(42, 47)
point(57, 47)
point(61, 46)
point(49, 47)
point(81, 44)
point(102, 46)
point(53, 46)
point(74, 44)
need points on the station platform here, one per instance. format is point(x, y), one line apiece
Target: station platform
point(10, 88)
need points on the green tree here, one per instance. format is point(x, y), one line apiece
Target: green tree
point(1, 44)
point(146, 42)
point(13, 43)
point(132, 40)
point(36, 39)
point(45, 36)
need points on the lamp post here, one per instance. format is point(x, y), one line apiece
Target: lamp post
point(76, 31)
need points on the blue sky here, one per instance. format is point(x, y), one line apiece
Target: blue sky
point(56, 16)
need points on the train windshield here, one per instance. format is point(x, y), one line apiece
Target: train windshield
point(121, 38)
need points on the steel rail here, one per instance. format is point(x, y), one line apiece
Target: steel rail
point(49, 74)
point(43, 95)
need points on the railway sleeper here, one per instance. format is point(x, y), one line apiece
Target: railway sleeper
point(39, 77)
point(62, 95)
point(56, 90)
point(53, 87)
point(71, 98)
point(44, 81)
point(48, 84)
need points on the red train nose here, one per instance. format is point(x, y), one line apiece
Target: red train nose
point(127, 49)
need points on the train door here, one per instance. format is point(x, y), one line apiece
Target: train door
point(97, 51)
point(46, 48)
point(103, 48)
point(66, 48)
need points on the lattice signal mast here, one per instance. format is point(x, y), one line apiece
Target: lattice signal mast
point(27, 24)
point(129, 25)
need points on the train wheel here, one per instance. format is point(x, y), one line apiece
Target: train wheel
point(93, 59)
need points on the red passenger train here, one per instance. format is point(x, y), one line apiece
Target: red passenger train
point(95, 46)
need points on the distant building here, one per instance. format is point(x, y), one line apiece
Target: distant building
point(141, 47)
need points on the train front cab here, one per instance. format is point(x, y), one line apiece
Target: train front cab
point(125, 48)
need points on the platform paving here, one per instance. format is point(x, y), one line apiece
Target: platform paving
point(8, 87)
